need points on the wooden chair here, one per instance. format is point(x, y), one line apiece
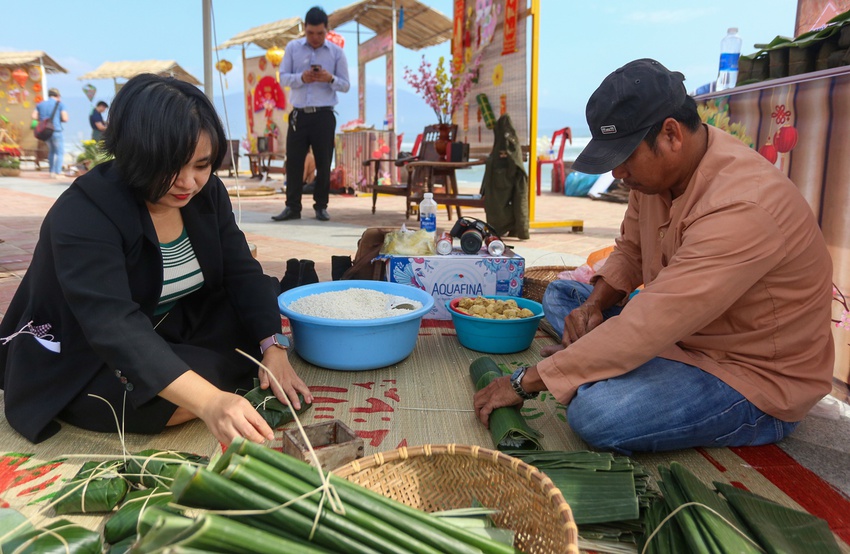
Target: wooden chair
point(424, 150)
point(558, 171)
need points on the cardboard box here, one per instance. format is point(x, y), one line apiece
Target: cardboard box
point(458, 274)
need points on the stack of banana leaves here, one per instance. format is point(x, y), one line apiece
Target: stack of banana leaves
point(608, 494)
point(734, 520)
point(249, 500)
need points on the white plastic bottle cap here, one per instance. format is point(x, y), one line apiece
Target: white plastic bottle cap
point(732, 30)
point(428, 195)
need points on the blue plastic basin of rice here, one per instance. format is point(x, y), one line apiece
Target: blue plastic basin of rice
point(355, 344)
point(497, 336)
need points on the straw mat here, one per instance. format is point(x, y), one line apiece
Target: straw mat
point(424, 399)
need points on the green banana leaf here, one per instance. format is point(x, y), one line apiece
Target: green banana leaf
point(124, 523)
point(780, 529)
point(273, 410)
point(97, 487)
point(157, 468)
point(123, 546)
point(60, 537)
point(507, 426)
point(12, 523)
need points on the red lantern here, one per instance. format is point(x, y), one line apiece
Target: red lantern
point(785, 138)
point(20, 76)
point(769, 152)
point(335, 38)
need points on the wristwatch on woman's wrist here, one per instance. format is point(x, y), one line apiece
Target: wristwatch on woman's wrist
point(278, 339)
point(516, 383)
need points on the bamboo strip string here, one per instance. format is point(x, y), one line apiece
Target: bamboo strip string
point(699, 505)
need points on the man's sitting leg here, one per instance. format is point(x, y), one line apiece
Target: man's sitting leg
point(668, 405)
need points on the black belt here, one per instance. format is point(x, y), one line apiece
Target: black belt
point(314, 109)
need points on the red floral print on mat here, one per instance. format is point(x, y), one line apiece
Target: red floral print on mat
point(15, 472)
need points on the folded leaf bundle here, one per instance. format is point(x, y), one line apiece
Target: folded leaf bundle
point(741, 523)
point(59, 537)
point(780, 529)
point(124, 523)
point(275, 412)
point(97, 487)
point(157, 468)
point(507, 426)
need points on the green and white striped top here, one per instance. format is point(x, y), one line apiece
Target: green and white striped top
point(181, 272)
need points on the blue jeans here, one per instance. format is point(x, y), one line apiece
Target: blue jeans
point(660, 405)
point(56, 151)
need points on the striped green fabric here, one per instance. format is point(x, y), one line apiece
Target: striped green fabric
point(181, 272)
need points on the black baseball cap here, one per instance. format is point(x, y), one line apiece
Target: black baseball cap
point(620, 112)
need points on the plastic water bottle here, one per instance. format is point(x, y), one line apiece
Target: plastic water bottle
point(428, 214)
point(730, 50)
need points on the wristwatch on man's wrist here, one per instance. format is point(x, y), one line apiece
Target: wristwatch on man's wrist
point(278, 339)
point(516, 383)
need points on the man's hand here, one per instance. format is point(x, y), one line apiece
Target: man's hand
point(577, 324)
point(497, 394)
point(277, 361)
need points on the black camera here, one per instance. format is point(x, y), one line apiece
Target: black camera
point(472, 233)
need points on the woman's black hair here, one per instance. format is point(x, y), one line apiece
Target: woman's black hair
point(686, 114)
point(153, 130)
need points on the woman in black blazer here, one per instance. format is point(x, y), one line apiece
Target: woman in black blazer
point(142, 287)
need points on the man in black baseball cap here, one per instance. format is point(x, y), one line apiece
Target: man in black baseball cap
point(728, 341)
point(623, 109)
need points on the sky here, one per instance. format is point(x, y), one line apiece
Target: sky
point(581, 41)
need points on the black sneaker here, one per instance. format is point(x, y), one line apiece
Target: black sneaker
point(322, 214)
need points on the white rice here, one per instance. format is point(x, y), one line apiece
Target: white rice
point(352, 303)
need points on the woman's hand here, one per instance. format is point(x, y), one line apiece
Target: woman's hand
point(277, 361)
point(229, 415)
point(226, 415)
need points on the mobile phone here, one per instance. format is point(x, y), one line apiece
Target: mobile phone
point(316, 67)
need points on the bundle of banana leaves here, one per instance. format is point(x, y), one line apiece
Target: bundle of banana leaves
point(156, 468)
point(738, 521)
point(97, 487)
point(507, 426)
point(273, 410)
point(254, 482)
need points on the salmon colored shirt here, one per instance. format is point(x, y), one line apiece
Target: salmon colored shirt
point(738, 282)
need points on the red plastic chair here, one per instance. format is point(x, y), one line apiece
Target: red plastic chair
point(558, 171)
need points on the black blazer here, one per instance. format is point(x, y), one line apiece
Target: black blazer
point(96, 277)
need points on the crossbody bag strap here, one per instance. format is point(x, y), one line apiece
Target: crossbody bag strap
point(53, 114)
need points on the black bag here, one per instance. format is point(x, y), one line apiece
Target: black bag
point(44, 129)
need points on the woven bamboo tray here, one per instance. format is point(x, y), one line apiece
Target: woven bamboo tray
point(537, 278)
point(444, 477)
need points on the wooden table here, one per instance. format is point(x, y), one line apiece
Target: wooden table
point(451, 196)
point(261, 164)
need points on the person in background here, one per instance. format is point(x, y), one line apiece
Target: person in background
point(96, 121)
point(142, 287)
point(729, 341)
point(315, 70)
point(55, 144)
